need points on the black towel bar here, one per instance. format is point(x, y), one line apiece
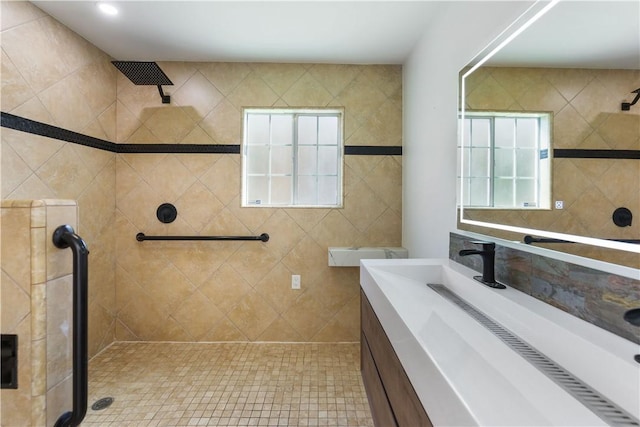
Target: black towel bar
point(141, 237)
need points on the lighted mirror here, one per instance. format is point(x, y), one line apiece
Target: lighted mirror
point(549, 137)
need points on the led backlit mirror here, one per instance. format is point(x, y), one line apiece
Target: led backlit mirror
point(547, 148)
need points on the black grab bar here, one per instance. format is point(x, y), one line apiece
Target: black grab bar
point(141, 237)
point(65, 237)
point(530, 239)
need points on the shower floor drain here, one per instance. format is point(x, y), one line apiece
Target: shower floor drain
point(103, 403)
point(608, 411)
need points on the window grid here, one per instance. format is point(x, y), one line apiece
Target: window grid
point(317, 146)
point(295, 167)
point(491, 180)
point(270, 173)
point(294, 185)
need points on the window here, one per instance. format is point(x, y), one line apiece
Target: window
point(506, 161)
point(292, 157)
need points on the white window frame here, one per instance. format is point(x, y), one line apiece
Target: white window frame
point(542, 167)
point(296, 173)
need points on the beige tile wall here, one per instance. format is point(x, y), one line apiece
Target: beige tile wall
point(51, 75)
point(36, 288)
point(587, 115)
point(196, 291)
point(15, 287)
point(233, 291)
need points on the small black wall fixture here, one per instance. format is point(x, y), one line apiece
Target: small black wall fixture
point(145, 73)
point(9, 361)
point(622, 217)
point(166, 213)
point(626, 106)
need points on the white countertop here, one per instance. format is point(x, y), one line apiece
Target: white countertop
point(465, 375)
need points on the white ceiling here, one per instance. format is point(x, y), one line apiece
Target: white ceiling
point(591, 34)
point(585, 34)
point(358, 32)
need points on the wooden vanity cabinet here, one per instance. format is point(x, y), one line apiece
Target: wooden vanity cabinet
point(392, 399)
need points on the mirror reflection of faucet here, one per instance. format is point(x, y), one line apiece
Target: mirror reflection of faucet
point(488, 254)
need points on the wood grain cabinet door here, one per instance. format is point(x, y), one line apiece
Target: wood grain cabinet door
point(407, 410)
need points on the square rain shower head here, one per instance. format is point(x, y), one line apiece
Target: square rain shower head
point(145, 73)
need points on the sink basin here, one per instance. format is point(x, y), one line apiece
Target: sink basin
point(465, 375)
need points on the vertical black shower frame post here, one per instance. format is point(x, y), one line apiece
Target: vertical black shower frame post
point(65, 237)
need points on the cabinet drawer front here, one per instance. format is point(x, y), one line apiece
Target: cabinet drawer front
point(404, 402)
point(378, 401)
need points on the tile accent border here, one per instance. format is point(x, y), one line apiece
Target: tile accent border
point(177, 148)
point(576, 153)
point(370, 150)
point(38, 128)
point(595, 296)
point(31, 126)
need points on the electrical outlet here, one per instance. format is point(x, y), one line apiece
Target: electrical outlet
point(559, 204)
point(295, 281)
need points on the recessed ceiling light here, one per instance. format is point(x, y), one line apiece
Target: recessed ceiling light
point(107, 9)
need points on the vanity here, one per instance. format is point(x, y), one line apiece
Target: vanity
point(441, 349)
point(429, 359)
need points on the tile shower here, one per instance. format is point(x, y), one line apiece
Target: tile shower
point(190, 292)
point(122, 191)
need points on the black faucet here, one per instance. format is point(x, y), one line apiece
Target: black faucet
point(488, 254)
point(633, 317)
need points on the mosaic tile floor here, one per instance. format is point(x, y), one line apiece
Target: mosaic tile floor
point(228, 384)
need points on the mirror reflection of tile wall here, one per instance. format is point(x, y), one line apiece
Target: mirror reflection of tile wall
point(587, 115)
